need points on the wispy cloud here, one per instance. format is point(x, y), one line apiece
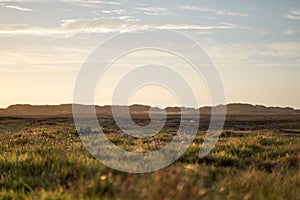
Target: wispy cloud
point(214, 11)
point(33, 58)
point(153, 10)
point(71, 27)
point(83, 3)
point(24, 1)
point(276, 54)
point(117, 12)
point(19, 8)
point(294, 14)
point(95, 2)
point(289, 32)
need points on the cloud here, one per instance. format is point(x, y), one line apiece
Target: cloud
point(191, 26)
point(22, 29)
point(106, 26)
point(276, 54)
point(294, 14)
point(153, 10)
point(117, 12)
point(24, 1)
point(289, 32)
point(19, 8)
point(71, 27)
point(32, 58)
point(94, 2)
point(85, 3)
point(214, 11)
point(287, 49)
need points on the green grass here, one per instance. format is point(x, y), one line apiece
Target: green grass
point(48, 161)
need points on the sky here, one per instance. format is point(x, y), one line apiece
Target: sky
point(254, 44)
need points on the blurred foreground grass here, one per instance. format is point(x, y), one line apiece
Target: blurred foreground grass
point(48, 161)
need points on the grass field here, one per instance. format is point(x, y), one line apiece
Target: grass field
point(45, 159)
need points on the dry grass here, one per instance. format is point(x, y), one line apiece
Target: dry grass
point(48, 161)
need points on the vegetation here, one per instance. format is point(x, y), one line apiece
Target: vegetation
point(46, 160)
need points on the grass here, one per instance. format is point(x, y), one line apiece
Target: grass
point(48, 161)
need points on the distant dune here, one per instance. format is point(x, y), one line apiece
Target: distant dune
point(65, 110)
point(248, 109)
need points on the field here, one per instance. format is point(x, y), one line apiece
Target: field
point(257, 157)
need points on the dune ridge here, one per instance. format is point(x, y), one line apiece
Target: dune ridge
point(65, 110)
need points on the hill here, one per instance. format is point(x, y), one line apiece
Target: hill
point(65, 110)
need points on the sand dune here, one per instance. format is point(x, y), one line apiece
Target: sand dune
point(65, 110)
